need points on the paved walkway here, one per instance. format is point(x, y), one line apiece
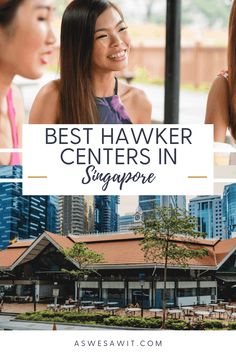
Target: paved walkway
point(7, 322)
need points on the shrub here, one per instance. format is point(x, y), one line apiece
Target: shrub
point(232, 325)
point(207, 324)
point(154, 322)
point(49, 314)
point(177, 324)
point(78, 317)
point(84, 317)
point(135, 322)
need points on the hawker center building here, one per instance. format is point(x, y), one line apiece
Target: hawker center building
point(35, 267)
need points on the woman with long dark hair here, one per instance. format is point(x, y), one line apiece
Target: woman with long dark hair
point(221, 105)
point(95, 46)
point(26, 42)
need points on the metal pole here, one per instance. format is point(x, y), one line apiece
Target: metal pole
point(172, 62)
point(34, 295)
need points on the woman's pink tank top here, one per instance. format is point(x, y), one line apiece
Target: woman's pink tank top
point(15, 156)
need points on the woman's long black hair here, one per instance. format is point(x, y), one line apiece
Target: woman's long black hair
point(8, 10)
point(77, 101)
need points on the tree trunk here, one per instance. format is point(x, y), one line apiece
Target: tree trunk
point(164, 289)
point(78, 295)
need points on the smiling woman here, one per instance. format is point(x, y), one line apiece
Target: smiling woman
point(26, 41)
point(95, 46)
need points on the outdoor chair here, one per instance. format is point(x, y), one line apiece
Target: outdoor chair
point(232, 316)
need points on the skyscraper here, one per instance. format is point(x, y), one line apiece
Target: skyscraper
point(229, 210)
point(23, 217)
point(128, 222)
point(106, 213)
point(72, 214)
point(53, 221)
point(208, 211)
point(88, 214)
point(76, 214)
point(148, 203)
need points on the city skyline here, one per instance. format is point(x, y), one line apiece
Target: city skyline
point(27, 216)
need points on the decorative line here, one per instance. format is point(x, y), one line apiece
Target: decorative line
point(37, 176)
point(197, 177)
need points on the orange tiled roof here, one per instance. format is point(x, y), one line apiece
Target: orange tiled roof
point(223, 248)
point(19, 244)
point(10, 255)
point(119, 249)
point(62, 241)
point(125, 249)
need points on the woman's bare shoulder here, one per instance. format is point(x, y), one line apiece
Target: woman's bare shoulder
point(127, 90)
point(46, 105)
point(220, 86)
point(217, 110)
point(138, 102)
point(218, 97)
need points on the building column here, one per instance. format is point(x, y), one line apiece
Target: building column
point(176, 293)
point(198, 292)
point(100, 289)
point(126, 287)
point(153, 292)
point(76, 290)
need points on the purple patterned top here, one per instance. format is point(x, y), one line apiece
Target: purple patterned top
point(111, 110)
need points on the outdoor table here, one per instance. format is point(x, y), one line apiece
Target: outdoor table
point(132, 309)
point(110, 303)
point(53, 306)
point(202, 314)
point(170, 304)
point(220, 312)
point(231, 307)
point(20, 298)
point(98, 302)
point(71, 302)
point(223, 303)
point(111, 309)
point(87, 308)
point(213, 306)
point(68, 307)
point(219, 300)
point(188, 309)
point(9, 298)
point(175, 312)
point(156, 311)
point(86, 302)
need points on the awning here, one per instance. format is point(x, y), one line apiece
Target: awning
point(227, 278)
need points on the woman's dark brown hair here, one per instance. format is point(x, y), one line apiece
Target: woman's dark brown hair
point(8, 10)
point(232, 70)
point(77, 101)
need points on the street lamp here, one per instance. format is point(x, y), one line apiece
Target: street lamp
point(141, 285)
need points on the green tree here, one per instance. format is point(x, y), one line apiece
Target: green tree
point(213, 12)
point(85, 258)
point(159, 244)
